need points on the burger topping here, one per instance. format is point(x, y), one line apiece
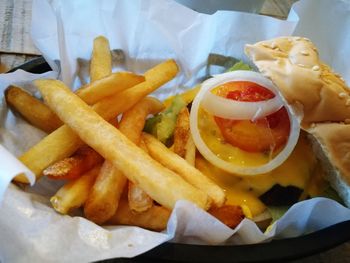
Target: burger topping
point(249, 130)
point(260, 135)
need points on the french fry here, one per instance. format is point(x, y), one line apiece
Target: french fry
point(133, 120)
point(155, 218)
point(59, 144)
point(183, 143)
point(121, 102)
point(177, 164)
point(141, 169)
point(31, 109)
point(103, 199)
point(139, 201)
point(80, 162)
point(74, 194)
point(84, 159)
point(101, 59)
point(63, 142)
point(108, 86)
point(230, 215)
point(190, 155)
point(187, 96)
point(182, 132)
point(38, 114)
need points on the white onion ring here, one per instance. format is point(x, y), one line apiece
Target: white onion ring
point(227, 166)
point(239, 110)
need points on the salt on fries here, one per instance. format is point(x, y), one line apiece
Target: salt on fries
point(63, 142)
point(32, 109)
point(105, 194)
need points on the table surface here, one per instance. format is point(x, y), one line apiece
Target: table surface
point(16, 48)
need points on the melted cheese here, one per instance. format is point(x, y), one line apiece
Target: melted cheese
point(212, 136)
point(295, 171)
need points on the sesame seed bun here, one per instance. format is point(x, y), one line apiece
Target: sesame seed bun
point(318, 95)
point(307, 84)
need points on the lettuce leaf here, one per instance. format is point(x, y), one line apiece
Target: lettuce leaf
point(240, 65)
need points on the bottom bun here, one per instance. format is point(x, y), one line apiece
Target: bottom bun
point(331, 144)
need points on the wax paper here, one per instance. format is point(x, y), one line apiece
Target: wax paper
point(142, 33)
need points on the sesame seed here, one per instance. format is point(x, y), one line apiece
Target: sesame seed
point(304, 52)
point(342, 95)
point(301, 65)
point(313, 125)
point(316, 68)
point(298, 38)
point(273, 45)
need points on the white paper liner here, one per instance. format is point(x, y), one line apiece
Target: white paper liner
point(148, 32)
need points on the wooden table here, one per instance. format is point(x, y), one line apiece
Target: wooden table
point(16, 48)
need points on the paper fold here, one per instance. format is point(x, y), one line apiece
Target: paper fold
point(10, 168)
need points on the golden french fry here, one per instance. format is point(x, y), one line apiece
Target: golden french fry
point(177, 164)
point(230, 215)
point(107, 86)
point(183, 143)
point(63, 142)
point(190, 155)
point(187, 96)
point(31, 109)
point(38, 114)
point(103, 199)
point(84, 159)
point(74, 194)
point(101, 59)
point(182, 132)
point(132, 124)
point(115, 147)
point(133, 120)
point(155, 218)
point(121, 102)
point(139, 201)
point(59, 144)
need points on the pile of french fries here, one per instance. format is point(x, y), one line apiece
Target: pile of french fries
point(113, 170)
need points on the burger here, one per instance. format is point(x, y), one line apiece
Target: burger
point(276, 135)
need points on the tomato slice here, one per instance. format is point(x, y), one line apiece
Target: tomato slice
point(262, 135)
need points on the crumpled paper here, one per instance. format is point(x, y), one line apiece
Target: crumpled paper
point(147, 32)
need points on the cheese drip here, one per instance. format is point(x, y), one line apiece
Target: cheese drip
point(297, 171)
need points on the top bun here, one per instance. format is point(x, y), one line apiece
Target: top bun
point(307, 84)
point(318, 94)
